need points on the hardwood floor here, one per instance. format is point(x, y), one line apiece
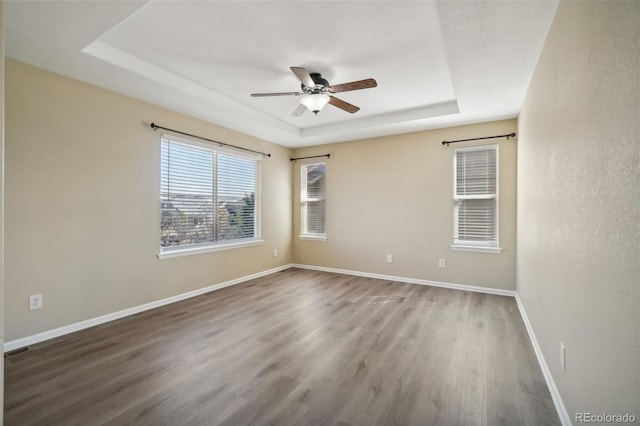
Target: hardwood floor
point(293, 348)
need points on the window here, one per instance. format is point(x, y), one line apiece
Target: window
point(475, 199)
point(312, 200)
point(209, 197)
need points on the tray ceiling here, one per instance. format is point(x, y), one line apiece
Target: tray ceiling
point(437, 64)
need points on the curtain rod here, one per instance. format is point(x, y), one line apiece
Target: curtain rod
point(312, 156)
point(154, 126)
point(510, 135)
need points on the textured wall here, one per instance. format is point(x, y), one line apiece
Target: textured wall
point(82, 204)
point(578, 263)
point(394, 195)
point(2, 298)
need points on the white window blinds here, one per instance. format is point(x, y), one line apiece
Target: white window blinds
point(475, 213)
point(312, 199)
point(208, 197)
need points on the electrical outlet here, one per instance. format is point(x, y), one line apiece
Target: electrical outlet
point(389, 258)
point(441, 263)
point(562, 357)
point(35, 301)
point(275, 252)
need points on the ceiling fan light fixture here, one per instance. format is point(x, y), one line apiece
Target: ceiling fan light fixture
point(315, 102)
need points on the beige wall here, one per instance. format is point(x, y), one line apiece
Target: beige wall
point(2, 299)
point(578, 264)
point(393, 195)
point(82, 204)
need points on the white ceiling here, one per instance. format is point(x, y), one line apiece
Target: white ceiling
point(437, 64)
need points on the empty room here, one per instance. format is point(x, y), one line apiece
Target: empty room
point(320, 212)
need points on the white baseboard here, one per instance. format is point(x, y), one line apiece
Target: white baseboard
point(61, 331)
point(551, 384)
point(464, 287)
point(553, 390)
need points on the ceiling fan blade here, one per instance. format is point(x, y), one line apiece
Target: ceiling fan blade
point(299, 111)
point(303, 76)
point(346, 106)
point(354, 85)
point(257, 95)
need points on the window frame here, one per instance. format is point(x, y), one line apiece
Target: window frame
point(212, 246)
point(487, 246)
point(304, 233)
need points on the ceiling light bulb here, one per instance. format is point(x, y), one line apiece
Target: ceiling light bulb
point(315, 102)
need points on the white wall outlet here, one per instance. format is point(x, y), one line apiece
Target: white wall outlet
point(441, 263)
point(275, 252)
point(389, 258)
point(562, 357)
point(35, 301)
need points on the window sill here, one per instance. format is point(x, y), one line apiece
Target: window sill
point(309, 237)
point(207, 249)
point(477, 249)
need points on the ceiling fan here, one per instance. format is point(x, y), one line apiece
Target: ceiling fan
point(317, 92)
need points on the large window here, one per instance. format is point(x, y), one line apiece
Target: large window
point(312, 200)
point(475, 198)
point(209, 197)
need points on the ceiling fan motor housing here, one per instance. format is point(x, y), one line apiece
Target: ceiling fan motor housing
point(321, 85)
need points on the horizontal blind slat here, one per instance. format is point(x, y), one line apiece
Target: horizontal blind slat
point(475, 195)
point(206, 196)
point(312, 197)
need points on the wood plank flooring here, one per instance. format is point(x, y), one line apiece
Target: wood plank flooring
point(293, 348)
